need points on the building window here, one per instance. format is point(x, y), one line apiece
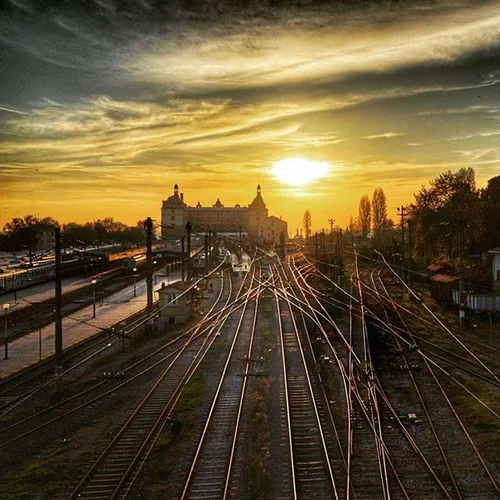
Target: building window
point(498, 274)
point(172, 217)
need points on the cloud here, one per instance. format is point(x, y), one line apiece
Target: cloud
point(149, 90)
point(266, 54)
point(9, 109)
point(385, 135)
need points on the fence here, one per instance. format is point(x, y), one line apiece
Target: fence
point(479, 302)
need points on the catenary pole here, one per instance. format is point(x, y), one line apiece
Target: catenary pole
point(58, 299)
point(148, 225)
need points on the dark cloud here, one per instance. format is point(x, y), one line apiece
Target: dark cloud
point(211, 87)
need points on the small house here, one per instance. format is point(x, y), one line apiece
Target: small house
point(439, 267)
point(175, 302)
point(442, 286)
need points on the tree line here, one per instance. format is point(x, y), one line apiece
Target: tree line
point(449, 216)
point(24, 233)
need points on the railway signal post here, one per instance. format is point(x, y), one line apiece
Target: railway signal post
point(148, 225)
point(402, 214)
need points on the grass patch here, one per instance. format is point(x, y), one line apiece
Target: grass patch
point(266, 336)
point(169, 447)
point(267, 310)
point(51, 473)
point(257, 474)
point(470, 409)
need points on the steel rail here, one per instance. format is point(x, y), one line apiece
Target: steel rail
point(242, 397)
point(192, 333)
point(351, 380)
point(345, 382)
point(452, 408)
point(312, 403)
point(422, 402)
point(194, 462)
point(439, 321)
point(154, 419)
point(370, 372)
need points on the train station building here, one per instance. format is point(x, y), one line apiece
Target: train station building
point(253, 219)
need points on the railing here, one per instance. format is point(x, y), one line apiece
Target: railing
point(478, 302)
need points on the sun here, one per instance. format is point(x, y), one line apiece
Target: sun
point(298, 171)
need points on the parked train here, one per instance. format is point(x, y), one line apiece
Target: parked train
point(46, 271)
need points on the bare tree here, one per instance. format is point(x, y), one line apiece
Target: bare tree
point(379, 210)
point(307, 223)
point(364, 215)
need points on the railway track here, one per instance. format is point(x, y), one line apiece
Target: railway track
point(115, 471)
point(96, 390)
point(24, 385)
point(210, 471)
point(440, 413)
point(311, 465)
point(371, 417)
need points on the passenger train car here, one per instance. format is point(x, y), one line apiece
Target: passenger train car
point(45, 270)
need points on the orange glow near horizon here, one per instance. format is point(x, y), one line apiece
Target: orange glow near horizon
point(319, 106)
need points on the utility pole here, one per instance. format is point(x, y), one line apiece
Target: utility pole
point(148, 226)
point(338, 251)
point(183, 258)
point(331, 222)
point(206, 254)
point(461, 311)
point(213, 242)
point(30, 246)
point(58, 298)
point(189, 226)
point(409, 250)
point(402, 213)
point(209, 249)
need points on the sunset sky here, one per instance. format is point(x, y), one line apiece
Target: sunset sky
point(104, 106)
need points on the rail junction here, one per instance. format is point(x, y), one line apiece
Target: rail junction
point(287, 384)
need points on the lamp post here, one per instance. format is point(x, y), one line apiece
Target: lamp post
point(154, 264)
point(94, 282)
point(135, 276)
point(6, 308)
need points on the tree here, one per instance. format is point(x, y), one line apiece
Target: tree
point(379, 210)
point(352, 226)
point(307, 223)
point(445, 212)
point(490, 215)
point(364, 215)
point(24, 232)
